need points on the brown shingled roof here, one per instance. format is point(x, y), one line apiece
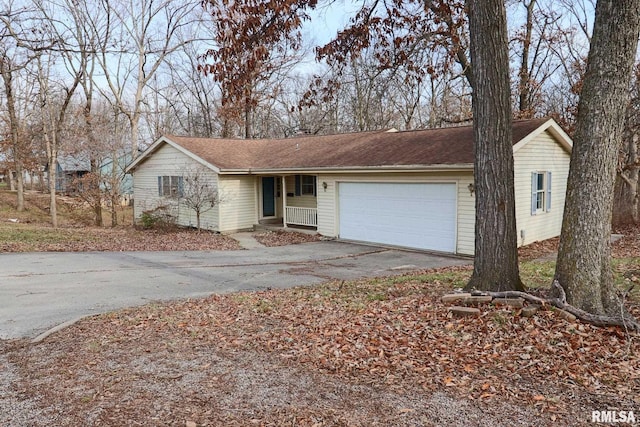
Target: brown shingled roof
point(443, 146)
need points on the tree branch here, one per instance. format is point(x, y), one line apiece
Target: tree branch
point(626, 322)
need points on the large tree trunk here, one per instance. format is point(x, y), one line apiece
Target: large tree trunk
point(584, 258)
point(495, 265)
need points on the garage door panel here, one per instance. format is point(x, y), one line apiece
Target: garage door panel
point(412, 215)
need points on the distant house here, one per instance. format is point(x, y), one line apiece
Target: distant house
point(69, 168)
point(72, 167)
point(125, 180)
point(411, 189)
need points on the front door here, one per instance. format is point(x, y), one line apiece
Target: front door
point(268, 196)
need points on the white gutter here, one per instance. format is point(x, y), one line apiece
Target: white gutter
point(463, 167)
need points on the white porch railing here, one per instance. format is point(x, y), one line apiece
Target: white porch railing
point(302, 216)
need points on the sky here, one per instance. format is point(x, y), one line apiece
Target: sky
point(327, 20)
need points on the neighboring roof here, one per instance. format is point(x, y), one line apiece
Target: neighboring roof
point(444, 147)
point(74, 163)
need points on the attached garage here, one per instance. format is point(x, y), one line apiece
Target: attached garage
point(414, 215)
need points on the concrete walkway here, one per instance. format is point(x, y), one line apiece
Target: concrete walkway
point(246, 240)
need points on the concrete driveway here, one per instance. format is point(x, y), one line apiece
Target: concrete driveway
point(40, 291)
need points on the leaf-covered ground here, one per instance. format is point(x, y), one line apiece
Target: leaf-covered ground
point(30, 231)
point(18, 238)
point(371, 352)
point(376, 352)
point(282, 238)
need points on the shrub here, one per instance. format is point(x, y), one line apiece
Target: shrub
point(159, 218)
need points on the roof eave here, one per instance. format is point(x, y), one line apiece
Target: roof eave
point(156, 145)
point(554, 129)
point(462, 167)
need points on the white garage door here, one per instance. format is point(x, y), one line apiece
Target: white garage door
point(419, 216)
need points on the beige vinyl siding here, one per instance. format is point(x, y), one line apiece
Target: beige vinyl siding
point(238, 208)
point(305, 201)
point(466, 215)
point(327, 206)
point(328, 199)
point(302, 201)
point(542, 154)
point(169, 161)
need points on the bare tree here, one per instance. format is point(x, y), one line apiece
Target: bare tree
point(54, 92)
point(54, 102)
point(80, 59)
point(39, 36)
point(536, 44)
point(14, 58)
point(106, 152)
point(8, 70)
point(198, 193)
point(189, 99)
point(132, 41)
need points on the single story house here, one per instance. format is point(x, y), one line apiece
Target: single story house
point(411, 188)
point(68, 169)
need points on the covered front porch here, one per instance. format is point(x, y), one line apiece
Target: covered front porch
point(288, 200)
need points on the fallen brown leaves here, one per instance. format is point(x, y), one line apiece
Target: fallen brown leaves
point(32, 232)
point(357, 353)
point(626, 247)
point(119, 239)
point(629, 245)
point(282, 238)
point(545, 249)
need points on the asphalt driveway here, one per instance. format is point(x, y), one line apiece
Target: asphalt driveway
point(39, 291)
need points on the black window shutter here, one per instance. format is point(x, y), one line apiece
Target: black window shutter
point(159, 186)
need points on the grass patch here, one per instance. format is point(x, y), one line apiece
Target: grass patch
point(626, 272)
point(537, 274)
point(70, 211)
point(355, 296)
point(26, 234)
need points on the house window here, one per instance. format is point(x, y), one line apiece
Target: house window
point(170, 186)
point(308, 185)
point(540, 192)
point(305, 185)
